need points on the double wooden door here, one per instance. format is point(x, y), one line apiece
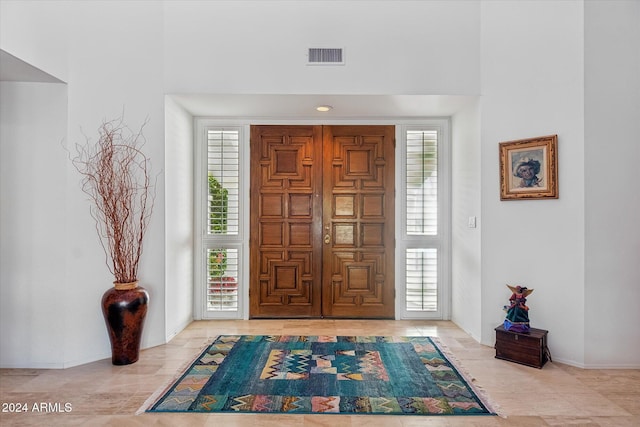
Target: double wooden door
point(322, 221)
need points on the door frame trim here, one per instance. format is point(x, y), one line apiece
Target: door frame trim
point(401, 124)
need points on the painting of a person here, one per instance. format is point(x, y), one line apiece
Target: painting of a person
point(527, 169)
point(517, 319)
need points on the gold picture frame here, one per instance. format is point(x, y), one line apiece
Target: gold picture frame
point(529, 168)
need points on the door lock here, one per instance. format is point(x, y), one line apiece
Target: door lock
point(327, 239)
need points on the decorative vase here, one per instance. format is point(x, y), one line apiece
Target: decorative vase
point(124, 308)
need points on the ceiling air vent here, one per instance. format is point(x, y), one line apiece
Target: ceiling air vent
point(325, 56)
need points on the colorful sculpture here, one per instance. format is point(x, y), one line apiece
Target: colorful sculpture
point(517, 319)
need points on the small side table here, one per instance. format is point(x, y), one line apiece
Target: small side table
point(527, 349)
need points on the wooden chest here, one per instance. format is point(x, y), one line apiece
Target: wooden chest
point(528, 349)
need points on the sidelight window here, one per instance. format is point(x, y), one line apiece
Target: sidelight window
point(423, 239)
point(223, 181)
point(219, 269)
point(422, 279)
point(422, 182)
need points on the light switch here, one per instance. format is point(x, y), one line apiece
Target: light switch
point(472, 222)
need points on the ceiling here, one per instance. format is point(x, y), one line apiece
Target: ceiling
point(275, 106)
point(13, 69)
point(271, 106)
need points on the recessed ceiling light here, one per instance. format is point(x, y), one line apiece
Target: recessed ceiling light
point(324, 108)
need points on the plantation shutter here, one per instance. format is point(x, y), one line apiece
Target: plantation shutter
point(422, 183)
point(223, 197)
point(421, 294)
point(223, 167)
point(422, 280)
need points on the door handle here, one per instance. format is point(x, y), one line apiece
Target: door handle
point(327, 239)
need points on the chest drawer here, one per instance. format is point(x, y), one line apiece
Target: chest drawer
point(528, 349)
point(519, 340)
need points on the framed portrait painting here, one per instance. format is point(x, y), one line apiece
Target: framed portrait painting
point(529, 168)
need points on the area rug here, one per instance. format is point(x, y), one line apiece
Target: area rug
point(322, 374)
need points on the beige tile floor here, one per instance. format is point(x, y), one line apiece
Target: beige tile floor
point(103, 395)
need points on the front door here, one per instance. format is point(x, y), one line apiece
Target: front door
point(322, 223)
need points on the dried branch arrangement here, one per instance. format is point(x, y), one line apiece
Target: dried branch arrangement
point(116, 177)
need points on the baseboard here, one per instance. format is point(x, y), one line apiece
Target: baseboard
point(32, 366)
point(181, 327)
point(595, 365)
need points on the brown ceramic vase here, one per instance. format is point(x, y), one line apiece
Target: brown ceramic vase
point(124, 308)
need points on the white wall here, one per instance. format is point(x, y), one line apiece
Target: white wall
point(117, 55)
point(466, 187)
point(32, 31)
point(32, 224)
point(179, 216)
point(112, 61)
point(525, 59)
point(612, 203)
point(260, 47)
point(533, 85)
point(115, 67)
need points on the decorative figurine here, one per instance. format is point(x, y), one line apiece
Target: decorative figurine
point(517, 319)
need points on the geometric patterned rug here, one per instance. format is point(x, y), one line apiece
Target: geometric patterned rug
point(322, 374)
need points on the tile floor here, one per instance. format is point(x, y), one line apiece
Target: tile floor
point(101, 394)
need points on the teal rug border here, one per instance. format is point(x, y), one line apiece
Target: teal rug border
point(158, 398)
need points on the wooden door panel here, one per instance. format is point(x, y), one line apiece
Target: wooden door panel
point(358, 183)
point(286, 255)
point(309, 183)
point(356, 282)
